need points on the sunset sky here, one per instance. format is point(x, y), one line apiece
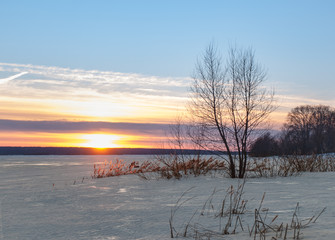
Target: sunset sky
point(116, 73)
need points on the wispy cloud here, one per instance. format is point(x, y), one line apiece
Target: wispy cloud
point(92, 93)
point(106, 95)
point(141, 129)
point(5, 80)
point(103, 82)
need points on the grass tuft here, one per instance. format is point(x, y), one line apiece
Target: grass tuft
point(228, 214)
point(166, 167)
point(292, 165)
point(120, 167)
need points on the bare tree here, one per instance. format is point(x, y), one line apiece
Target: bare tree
point(229, 102)
point(309, 129)
point(298, 128)
point(265, 145)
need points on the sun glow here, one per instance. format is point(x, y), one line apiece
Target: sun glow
point(100, 140)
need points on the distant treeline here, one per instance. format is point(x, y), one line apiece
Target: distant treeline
point(308, 130)
point(93, 151)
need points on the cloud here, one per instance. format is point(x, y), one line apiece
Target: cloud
point(124, 128)
point(93, 95)
point(5, 80)
point(102, 82)
point(101, 95)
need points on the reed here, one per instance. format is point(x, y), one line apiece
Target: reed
point(120, 167)
point(232, 216)
point(292, 165)
point(164, 167)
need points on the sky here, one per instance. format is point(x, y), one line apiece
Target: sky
point(117, 73)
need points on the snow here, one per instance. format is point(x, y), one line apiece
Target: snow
point(54, 197)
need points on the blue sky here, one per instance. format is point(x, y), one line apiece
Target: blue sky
point(165, 37)
point(69, 52)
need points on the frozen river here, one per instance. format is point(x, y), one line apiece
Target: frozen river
point(54, 197)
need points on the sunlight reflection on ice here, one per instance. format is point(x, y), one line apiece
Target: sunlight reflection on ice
point(282, 211)
point(56, 164)
point(122, 190)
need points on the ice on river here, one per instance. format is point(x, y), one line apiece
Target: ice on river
point(54, 197)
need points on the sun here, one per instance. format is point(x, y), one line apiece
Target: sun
point(100, 140)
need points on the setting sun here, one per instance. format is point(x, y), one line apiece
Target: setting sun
point(100, 140)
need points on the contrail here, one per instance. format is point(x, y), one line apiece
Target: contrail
point(5, 80)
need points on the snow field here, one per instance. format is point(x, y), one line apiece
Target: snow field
point(53, 197)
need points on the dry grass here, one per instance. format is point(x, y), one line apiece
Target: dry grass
point(170, 166)
point(311, 163)
point(217, 219)
point(263, 229)
point(120, 167)
point(174, 166)
point(270, 167)
point(291, 165)
point(178, 166)
point(226, 214)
